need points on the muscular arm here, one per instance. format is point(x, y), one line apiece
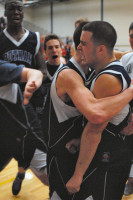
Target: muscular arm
point(97, 111)
point(119, 54)
point(90, 139)
point(91, 135)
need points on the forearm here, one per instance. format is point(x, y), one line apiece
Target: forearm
point(105, 108)
point(118, 102)
point(90, 140)
point(29, 75)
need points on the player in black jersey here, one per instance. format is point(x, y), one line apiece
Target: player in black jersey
point(53, 51)
point(63, 122)
point(105, 154)
point(21, 46)
point(52, 47)
point(17, 127)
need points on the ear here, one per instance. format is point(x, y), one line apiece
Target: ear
point(101, 49)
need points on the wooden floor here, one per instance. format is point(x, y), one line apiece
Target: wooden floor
point(32, 188)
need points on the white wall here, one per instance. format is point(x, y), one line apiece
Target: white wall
point(1, 10)
point(118, 12)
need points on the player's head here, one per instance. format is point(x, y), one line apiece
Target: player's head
point(80, 20)
point(77, 34)
point(97, 42)
point(14, 11)
point(103, 33)
point(18, 2)
point(52, 47)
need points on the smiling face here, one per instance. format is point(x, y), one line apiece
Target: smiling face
point(53, 51)
point(14, 13)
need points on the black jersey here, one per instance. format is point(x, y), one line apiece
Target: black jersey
point(39, 97)
point(61, 123)
point(22, 51)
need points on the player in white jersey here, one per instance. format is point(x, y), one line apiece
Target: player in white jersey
point(127, 62)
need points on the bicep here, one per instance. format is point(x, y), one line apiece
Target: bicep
point(81, 96)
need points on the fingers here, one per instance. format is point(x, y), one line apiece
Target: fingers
point(71, 148)
point(73, 145)
point(30, 88)
point(26, 101)
point(73, 190)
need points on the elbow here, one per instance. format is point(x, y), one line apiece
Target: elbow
point(98, 118)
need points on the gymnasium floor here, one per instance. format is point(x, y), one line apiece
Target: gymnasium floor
point(32, 188)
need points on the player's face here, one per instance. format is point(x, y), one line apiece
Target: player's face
point(53, 52)
point(14, 13)
point(87, 48)
point(131, 38)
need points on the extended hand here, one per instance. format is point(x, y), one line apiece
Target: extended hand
point(30, 88)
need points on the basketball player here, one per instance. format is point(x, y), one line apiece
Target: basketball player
point(21, 46)
point(108, 152)
point(127, 61)
point(52, 47)
point(19, 128)
point(63, 121)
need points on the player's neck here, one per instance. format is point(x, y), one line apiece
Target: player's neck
point(17, 32)
point(101, 65)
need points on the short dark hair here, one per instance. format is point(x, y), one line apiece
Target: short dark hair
point(77, 34)
point(13, 1)
point(131, 27)
point(50, 37)
point(103, 33)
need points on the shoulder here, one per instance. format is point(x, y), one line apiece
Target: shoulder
point(34, 34)
point(127, 57)
point(107, 85)
point(69, 76)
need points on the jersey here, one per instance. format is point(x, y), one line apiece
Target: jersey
point(22, 51)
point(61, 123)
point(127, 62)
point(117, 123)
point(39, 97)
point(20, 129)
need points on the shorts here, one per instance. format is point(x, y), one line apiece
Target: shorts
point(38, 163)
point(131, 172)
